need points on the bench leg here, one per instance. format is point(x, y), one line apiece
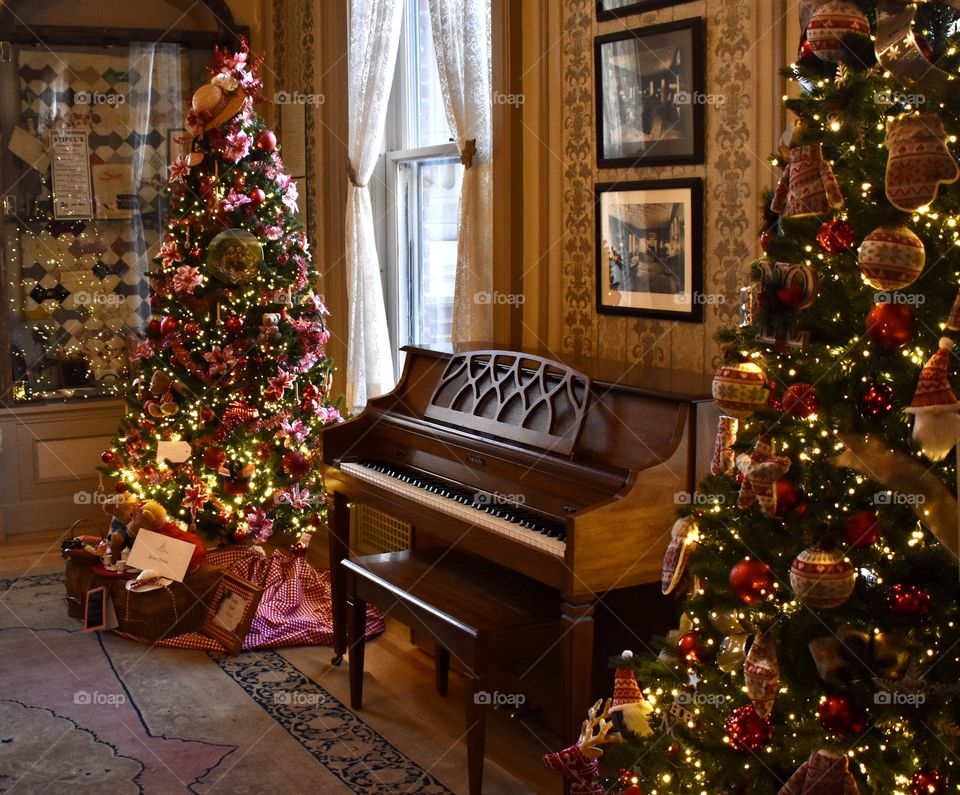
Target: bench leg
point(358, 641)
point(477, 700)
point(338, 540)
point(442, 668)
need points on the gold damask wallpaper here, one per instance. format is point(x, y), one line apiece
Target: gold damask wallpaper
point(739, 138)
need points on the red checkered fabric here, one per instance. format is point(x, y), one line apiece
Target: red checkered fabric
point(295, 610)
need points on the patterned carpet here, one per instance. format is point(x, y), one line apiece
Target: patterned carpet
point(95, 713)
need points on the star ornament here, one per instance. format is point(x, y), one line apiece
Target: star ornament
point(761, 470)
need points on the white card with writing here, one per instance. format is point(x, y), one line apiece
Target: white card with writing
point(168, 557)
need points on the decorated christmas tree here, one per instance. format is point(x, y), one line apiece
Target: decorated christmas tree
point(819, 643)
point(231, 382)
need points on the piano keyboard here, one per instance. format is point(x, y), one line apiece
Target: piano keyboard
point(470, 505)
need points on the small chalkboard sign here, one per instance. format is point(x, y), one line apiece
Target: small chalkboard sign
point(98, 611)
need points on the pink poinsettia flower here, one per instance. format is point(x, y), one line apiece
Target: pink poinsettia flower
point(220, 360)
point(259, 524)
point(234, 200)
point(195, 497)
point(290, 197)
point(170, 252)
point(179, 169)
point(186, 279)
point(328, 414)
point(238, 146)
point(297, 497)
point(292, 433)
point(273, 232)
point(144, 350)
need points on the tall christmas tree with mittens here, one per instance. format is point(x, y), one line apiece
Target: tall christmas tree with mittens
point(818, 648)
point(232, 379)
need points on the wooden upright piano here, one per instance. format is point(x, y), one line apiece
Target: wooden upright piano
point(569, 476)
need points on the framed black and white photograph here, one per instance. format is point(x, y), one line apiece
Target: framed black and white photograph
point(231, 612)
point(617, 9)
point(650, 95)
point(650, 249)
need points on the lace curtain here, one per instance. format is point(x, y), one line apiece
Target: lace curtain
point(461, 36)
point(374, 38)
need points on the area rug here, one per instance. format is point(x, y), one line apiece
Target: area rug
point(93, 713)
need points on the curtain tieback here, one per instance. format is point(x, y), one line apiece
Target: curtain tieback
point(352, 174)
point(468, 151)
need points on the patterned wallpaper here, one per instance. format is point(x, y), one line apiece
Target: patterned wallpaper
point(734, 168)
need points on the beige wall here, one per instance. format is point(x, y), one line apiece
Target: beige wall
point(744, 54)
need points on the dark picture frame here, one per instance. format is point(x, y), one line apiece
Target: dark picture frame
point(231, 611)
point(650, 95)
point(649, 241)
point(607, 9)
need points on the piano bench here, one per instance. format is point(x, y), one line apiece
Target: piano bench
point(475, 610)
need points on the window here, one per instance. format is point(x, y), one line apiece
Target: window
point(422, 175)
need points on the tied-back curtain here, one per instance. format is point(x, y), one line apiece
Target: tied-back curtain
point(461, 36)
point(374, 38)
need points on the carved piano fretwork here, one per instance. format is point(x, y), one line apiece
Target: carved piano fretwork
point(570, 479)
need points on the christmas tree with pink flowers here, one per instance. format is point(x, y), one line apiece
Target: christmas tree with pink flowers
point(816, 574)
point(232, 379)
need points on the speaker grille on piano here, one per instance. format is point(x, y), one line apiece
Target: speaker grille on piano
point(372, 531)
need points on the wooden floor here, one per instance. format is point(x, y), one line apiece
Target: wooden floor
point(515, 746)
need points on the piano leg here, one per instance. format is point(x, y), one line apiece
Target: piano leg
point(576, 648)
point(339, 541)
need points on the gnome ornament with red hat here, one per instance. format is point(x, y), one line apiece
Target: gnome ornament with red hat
point(935, 407)
point(631, 711)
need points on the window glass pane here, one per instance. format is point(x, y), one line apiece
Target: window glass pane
point(435, 262)
point(431, 125)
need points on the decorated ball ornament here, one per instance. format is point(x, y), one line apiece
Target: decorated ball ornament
point(877, 400)
point(267, 141)
point(767, 238)
point(108, 456)
point(298, 549)
point(800, 400)
point(296, 464)
point(909, 601)
point(214, 457)
point(839, 715)
point(153, 327)
point(751, 580)
point(822, 578)
point(862, 529)
point(836, 236)
point(740, 388)
point(234, 256)
point(891, 326)
point(747, 730)
point(257, 196)
point(891, 257)
point(689, 648)
point(928, 781)
point(234, 325)
point(830, 23)
point(168, 325)
point(788, 496)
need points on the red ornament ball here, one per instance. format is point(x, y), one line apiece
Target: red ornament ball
point(689, 647)
point(788, 495)
point(747, 730)
point(862, 529)
point(298, 549)
point(296, 464)
point(192, 329)
point(928, 781)
point(877, 400)
point(751, 580)
point(315, 520)
point(910, 601)
point(836, 236)
point(924, 46)
point(153, 327)
point(800, 400)
point(891, 326)
point(168, 325)
point(107, 456)
point(766, 238)
point(234, 325)
point(267, 141)
point(214, 457)
point(207, 414)
point(257, 196)
point(790, 297)
point(839, 715)
point(120, 487)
